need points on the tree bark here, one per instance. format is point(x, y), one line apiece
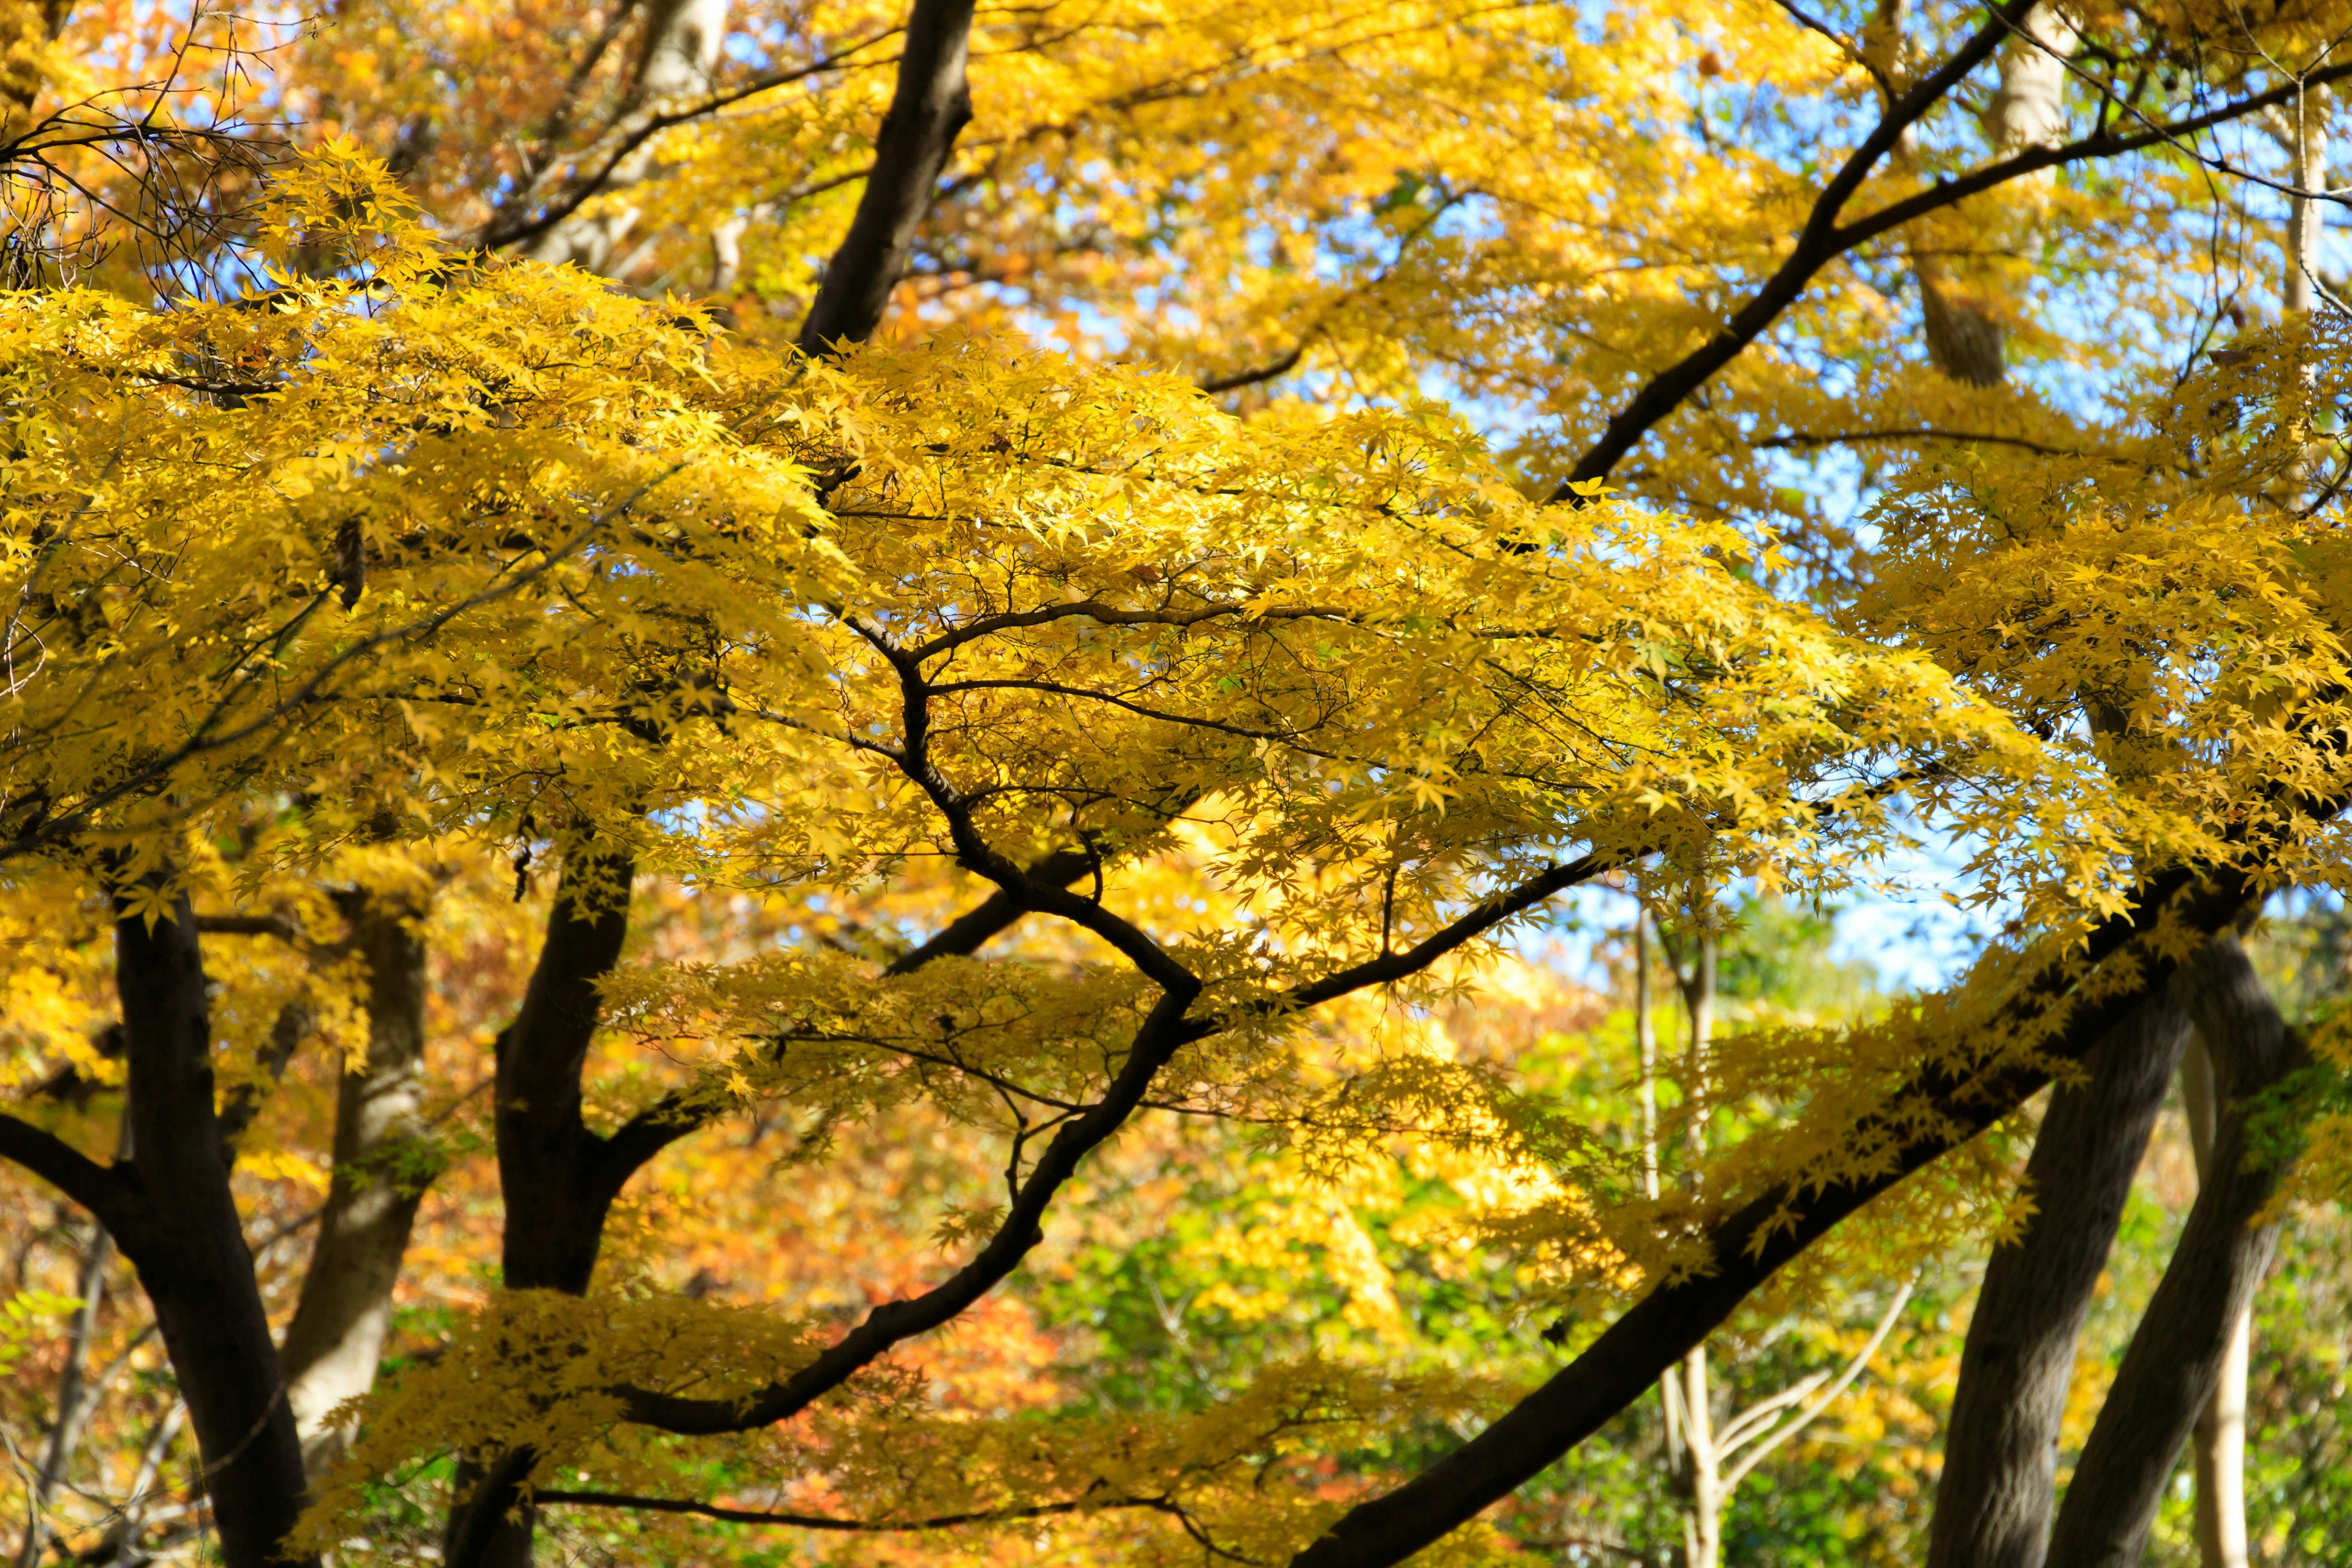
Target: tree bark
point(2217, 1443)
point(929, 108)
point(2306, 216)
point(191, 1252)
point(75, 1397)
point(2176, 1356)
point(677, 65)
point(558, 1178)
point(336, 1339)
point(1964, 334)
point(1994, 1500)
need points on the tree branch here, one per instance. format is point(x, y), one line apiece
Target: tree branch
point(830, 1522)
point(1823, 239)
point(1939, 1109)
point(1768, 1441)
point(1801, 439)
point(101, 1189)
point(1158, 1040)
point(1817, 244)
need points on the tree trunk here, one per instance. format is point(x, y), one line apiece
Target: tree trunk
point(2028, 109)
point(75, 1397)
point(553, 1173)
point(1703, 1525)
point(2218, 1442)
point(336, 1339)
point(2306, 217)
point(2175, 1361)
point(675, 66)
point(2001, 1449)
point(191, 1253)
point(929, 109)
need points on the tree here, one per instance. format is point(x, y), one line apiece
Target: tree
point(1255, 708)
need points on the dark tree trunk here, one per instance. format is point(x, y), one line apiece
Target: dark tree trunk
point(189, 1251)
point(551, 1173)
point(2168, 1372)
point(929, 108)
point(558, 1178)
point(1994, 1503)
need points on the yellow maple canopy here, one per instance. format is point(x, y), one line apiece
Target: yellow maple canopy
point(1083, 567)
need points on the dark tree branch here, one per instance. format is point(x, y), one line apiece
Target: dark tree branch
point(833, 1522)
point(1824, 238)
point(930, 107)
point(516, 221)
point(278, 926)
point(1938, 1110)
point(101, 1189)
point(1801, 440)
point(1158, 1040)
point(1283, 364)
point(972, 929)
point(676, 1115)
point(1166, 1031)
point(1390, 967)
point(1817, 245)
point(1273, 368)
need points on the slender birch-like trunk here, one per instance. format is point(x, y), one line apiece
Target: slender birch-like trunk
point(336, 1339)
point(2217, 1443)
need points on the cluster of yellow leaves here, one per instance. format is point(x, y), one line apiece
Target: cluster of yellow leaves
point(399, 546)
point(1537, 207)
point(2170, 615)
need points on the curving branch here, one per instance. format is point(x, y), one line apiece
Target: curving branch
point(1767, 1440)
point(1939, 1109)
point(1823, 239)
point(1156, 1043)
point(104, 1190)
point(1163, 1032)
point(859, 1526)
point(1818, 243)
point(1804, 440)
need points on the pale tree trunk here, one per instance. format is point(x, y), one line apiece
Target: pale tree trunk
point(1709, 1462)
point(2174, 1363)
point(76, 1396)
point(2306, 216)
point(676, 66)
point(2219, 1440)
point(1703, 1528)
point(2028, 109)
point(336, 1339)
point(1645, 1046)
point(1994, 1498)
point(1693, 1453)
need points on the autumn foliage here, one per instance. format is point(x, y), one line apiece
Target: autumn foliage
point(818, 781)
